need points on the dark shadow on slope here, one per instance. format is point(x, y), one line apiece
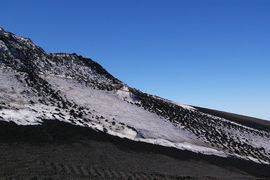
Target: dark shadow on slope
point(55, 132)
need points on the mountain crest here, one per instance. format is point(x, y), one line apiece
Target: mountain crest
point(36, 86)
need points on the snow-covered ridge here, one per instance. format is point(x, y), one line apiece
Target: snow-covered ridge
point(22, 42)
point(37, 86)
point(185, 106)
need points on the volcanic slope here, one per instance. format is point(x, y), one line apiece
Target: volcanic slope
point(38, 87)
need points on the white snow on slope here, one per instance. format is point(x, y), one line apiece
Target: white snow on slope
point(112, 112)
point(111, 107)
point(11, 89)
point(148, 127)
point(185, 106)
point(126, 95)
point(120, 118)
point(20, 116)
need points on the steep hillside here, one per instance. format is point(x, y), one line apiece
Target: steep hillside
point(37, 87)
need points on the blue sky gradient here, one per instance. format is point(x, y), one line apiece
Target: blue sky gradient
point(209, 53)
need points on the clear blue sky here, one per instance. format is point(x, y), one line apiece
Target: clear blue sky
point(210, 53)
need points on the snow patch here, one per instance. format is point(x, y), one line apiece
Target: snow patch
point(20, 116)
point(126, 95)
